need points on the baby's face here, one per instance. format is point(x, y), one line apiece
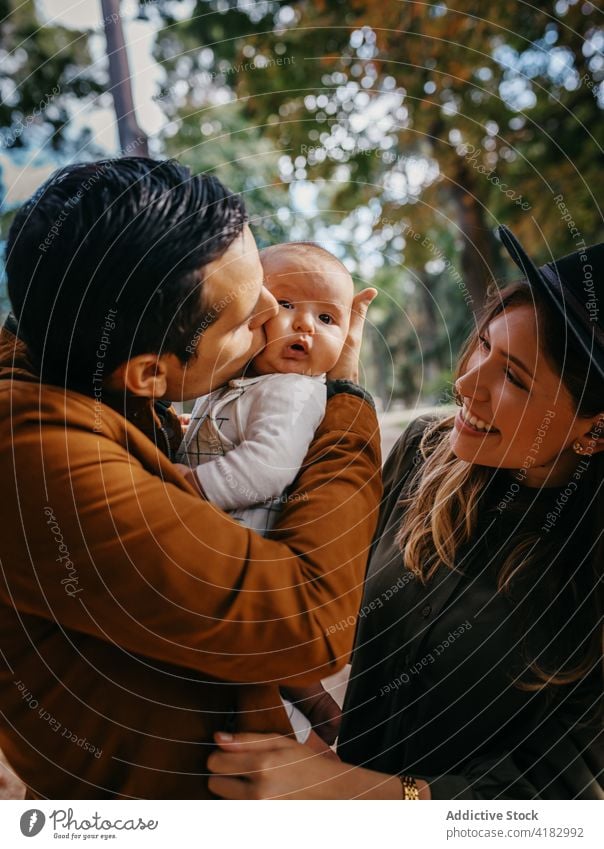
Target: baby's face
point(308, 333)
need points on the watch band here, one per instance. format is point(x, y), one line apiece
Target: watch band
point(409, 788)
point(348, 387)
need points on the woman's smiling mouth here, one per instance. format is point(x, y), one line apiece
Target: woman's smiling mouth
point(474, 424)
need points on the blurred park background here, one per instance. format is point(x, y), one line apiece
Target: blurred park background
point(397, 134)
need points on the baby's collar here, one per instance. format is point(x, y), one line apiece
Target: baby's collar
point(249, 381)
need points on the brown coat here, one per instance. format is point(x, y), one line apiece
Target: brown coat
point(135, 618)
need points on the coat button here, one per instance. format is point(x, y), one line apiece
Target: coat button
point(426, 611)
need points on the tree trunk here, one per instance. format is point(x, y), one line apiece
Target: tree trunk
point(133, 141)
point(478, 256)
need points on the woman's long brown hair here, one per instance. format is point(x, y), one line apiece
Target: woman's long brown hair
point(445, 496)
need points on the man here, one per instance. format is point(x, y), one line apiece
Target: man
point(137, 620)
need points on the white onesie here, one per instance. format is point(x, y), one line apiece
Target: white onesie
point(247, 440)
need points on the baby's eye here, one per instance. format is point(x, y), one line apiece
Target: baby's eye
point(326, 318)
point(287, 304)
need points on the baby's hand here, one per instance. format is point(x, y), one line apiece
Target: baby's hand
point(190, 476)
point(184, 419)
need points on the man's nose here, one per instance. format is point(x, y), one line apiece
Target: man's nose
point(267, 307)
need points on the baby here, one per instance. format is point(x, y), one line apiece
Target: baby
point(245, 442)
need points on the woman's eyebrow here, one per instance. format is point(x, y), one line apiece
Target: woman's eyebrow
point(517, 362)
point(513, 359)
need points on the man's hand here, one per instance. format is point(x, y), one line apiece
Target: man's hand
point(347, 367)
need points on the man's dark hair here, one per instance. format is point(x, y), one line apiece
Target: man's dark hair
point(114, 250)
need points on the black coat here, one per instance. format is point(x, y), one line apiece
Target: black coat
point(432, 691)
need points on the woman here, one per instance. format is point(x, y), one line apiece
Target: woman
point(477, 667)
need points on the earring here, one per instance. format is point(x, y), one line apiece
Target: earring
point(578, 448)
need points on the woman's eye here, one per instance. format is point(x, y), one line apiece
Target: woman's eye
point(326, 318)
point(287, 304)
point(484, 343)
point(513, 379)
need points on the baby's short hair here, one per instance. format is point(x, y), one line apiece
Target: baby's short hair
point(310, 247)
point(312, 250)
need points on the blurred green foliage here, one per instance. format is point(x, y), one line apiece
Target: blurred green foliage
point(399, 134)
point(441, 122)
point(44, 70)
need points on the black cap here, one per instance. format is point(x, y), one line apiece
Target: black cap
point(575, 286)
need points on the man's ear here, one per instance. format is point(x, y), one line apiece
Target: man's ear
point(144, 375)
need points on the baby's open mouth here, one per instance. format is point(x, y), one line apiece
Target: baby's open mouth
point(297, 350)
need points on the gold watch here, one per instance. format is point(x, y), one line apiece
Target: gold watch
point(409, 787)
